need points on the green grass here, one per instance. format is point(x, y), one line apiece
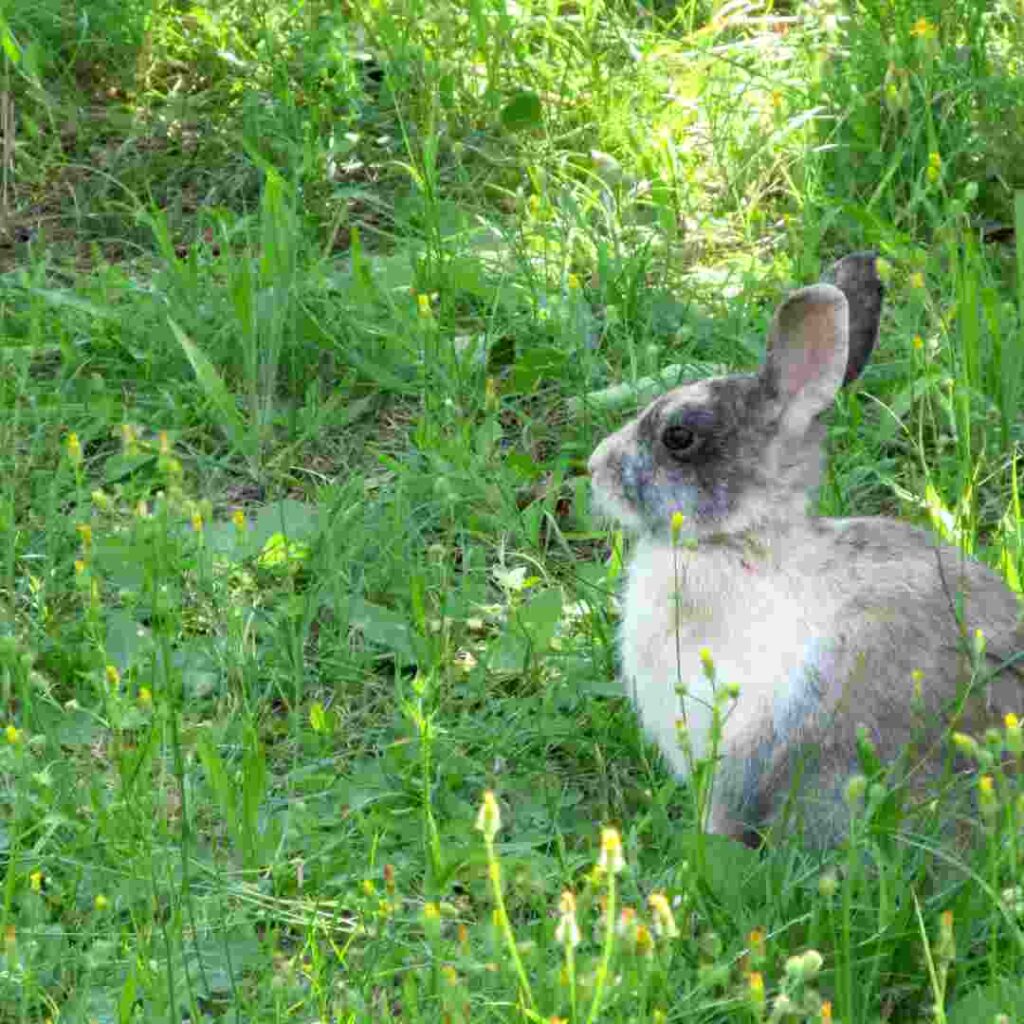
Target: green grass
point(302, 309)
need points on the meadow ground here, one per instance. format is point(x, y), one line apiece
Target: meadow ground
point(308, 317)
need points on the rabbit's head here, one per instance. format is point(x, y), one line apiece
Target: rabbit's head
point(734, 453)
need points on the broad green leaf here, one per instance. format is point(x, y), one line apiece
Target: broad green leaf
point(522, 111)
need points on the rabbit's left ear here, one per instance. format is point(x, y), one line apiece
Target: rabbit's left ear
point(856, 276)
point(808, 347)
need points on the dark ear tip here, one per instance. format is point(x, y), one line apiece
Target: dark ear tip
point(856, 276)
point(856, 273)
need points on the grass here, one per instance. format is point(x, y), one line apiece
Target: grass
point(305, 316)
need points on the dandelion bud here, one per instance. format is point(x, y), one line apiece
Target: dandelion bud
point(610, 858)
point(644, 940)
point(113, 675)
point(917, 676)
point(74, 449)
point(1014, 740)
point(85, 535)
point(664, 920)
point(855, 790)
point(706, 661)
point(987, 802)
point(828, 884)
point(676, 525)
point(567, 932)
point(488, 819)
point(966, 745)
point(812, 962)
point(945, 947)
point(756, 985)
point(979, 643)
point(795, 968)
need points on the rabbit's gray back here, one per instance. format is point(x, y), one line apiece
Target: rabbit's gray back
point(823, 626)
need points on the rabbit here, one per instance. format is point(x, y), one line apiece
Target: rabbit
point(826, 625)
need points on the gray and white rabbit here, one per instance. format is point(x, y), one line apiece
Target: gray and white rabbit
point(823, 623)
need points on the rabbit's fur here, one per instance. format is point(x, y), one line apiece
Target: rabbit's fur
point(821, 622)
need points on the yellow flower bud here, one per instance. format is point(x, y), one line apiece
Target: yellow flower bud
point(488, 819)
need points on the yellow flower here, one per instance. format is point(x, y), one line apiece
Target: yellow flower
point(664, 920)
point(644, 940)
point(918, 342)
point(706, 661)
point(85, 533)
point(677, 525)
point(74, 449)
point(610, 858)
point(80, 566)
point(1014, 737)
point(423, 304)
point(826, 1012)
point(979, 643)
point(488, 819)
point(573, 282)
point(567, 932)
point(923, 29)
point(112, 674)
point(756, 985)
point(13, 734)
point(432, 911)
point(965, 745)
point(238, 520)
point(986, 796)
point(917, 279)
point(145, 696)
point(35, 880)
point(101, 902)
point(197, 522)
point(450, 974)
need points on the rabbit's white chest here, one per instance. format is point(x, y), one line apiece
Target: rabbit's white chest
point(760, 634)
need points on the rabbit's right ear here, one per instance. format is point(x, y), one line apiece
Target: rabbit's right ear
point(807, 353)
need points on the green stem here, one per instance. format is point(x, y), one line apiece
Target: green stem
point(494, 872)
point(606, 955)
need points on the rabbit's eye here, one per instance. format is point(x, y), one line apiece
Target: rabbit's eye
point(680, 440)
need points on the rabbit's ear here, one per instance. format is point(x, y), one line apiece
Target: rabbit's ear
point(856, 276)
point(807, 352)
